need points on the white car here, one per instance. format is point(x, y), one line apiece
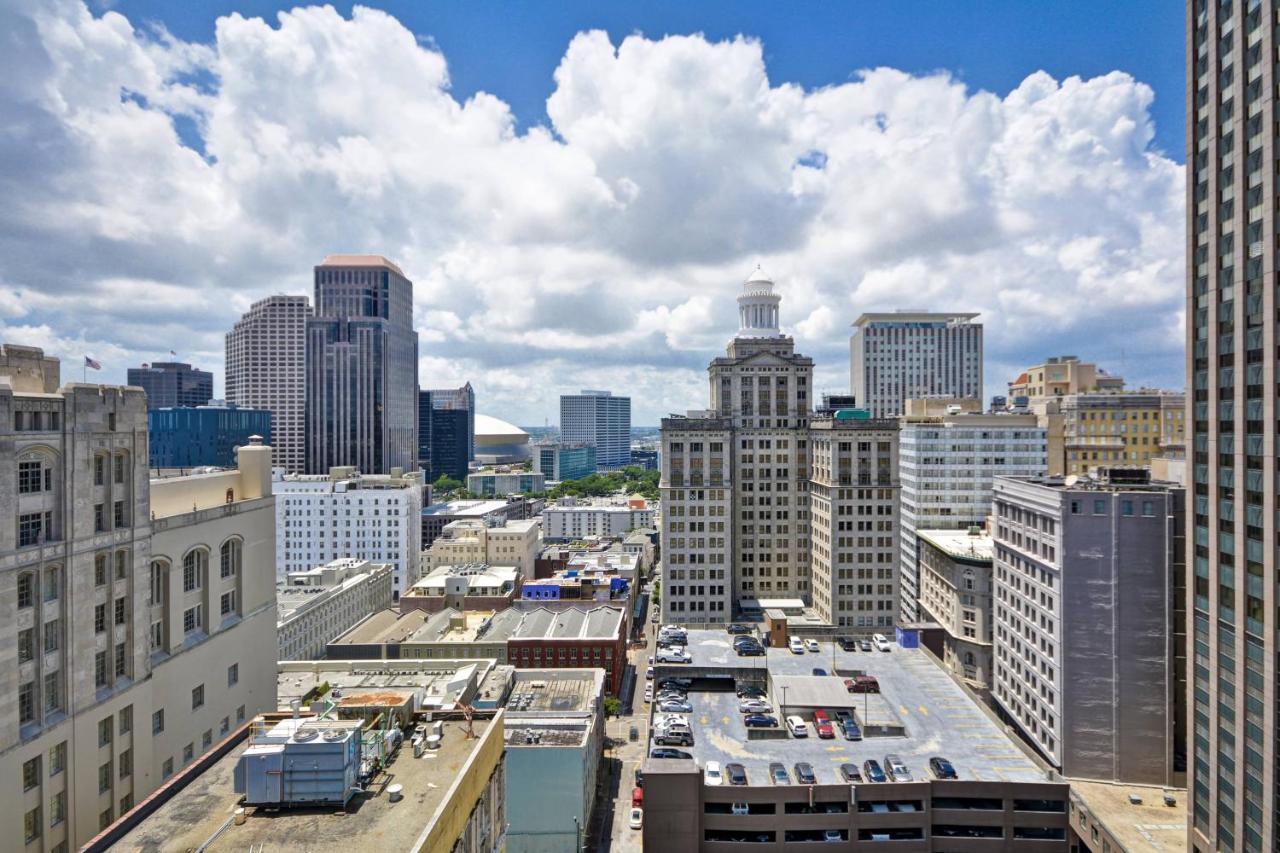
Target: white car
point(879, 641)
point(648, 693)
point(675, 705)
point(711, 775)
point(811, 645)
point(636, 821)
point(796, 645)
point(674, 654)
point(797, 726)
point(754, 706)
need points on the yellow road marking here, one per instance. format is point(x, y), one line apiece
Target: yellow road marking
point(924, 710)
point(903, 709)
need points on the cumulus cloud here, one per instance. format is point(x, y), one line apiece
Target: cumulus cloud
point(155, 187)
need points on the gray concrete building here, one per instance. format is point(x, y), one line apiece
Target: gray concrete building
point(955, 592)
point(362, 367)
point(906, 354)
point(1231, 310)
point(266, 369)
point(1089, 617)
point(601, 419)
point(171, 383)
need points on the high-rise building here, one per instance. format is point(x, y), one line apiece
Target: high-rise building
point(459, 400)
point(948, 460)
point(266, 355)
point(1089, 609)
point(907, 354)
point(1231, 337)
point(560, 461)
point(135, 608)
point(362, 367)
point(446, 431)
point(599, 418)
point(172, 383)
point(204, 435)
point(735, 478)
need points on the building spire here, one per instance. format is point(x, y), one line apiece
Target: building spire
point(758, 308)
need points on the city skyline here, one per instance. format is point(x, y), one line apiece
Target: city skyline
point(969, 187)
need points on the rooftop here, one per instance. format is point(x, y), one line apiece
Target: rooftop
point(464, 508)
point(479, 577)
point(959, 543)
point(432, 683)
point(555, 691)
point(459, 626)
point(928, 712)
point(359, 261)
point(199, 817)
point(1149, 826)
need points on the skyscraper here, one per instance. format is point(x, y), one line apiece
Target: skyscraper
point(172, 383)
point(906, 355)
point(362, 367)
point(446, 431)
point(266, 369)
point(599, 418)
point(1231, 340)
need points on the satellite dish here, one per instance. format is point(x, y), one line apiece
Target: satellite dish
point(1071, 480)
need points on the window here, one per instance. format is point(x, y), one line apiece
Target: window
point(26, 645)
point(1126, 507)
point(58, 808)
point(126, 719)
point(122, 661)
point(197, 697)
point(99, 618)
point(122, 565)
point(126, 764)
point(117, 513)
point(32, 478)
point(157, 581)
point(188, 752)
point(26, 590)
point(230, 557)
point(104, 819)
point(27, 702)
point(105, 728)
point(118, 468)
point(1148, 508)
point(100, 669)
point(104, 777)
point(157, 722)
point(99, 518)
point(233, 675)
point(30, 773)
point(193, 569)
point(31, 824)
point(30, 529)
point(52, 635)
point(58, 758)
point(1075, 507)
point(240, 714)
point(52, 692)
point(206, 740)
point(192, 618)
point(228, 602)
point(121, 611)
point(100, 570)
point(99, 470)
point(167, 769)
point(51, 583)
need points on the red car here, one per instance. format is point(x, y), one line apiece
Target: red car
point(862, 684)
point(822, 723)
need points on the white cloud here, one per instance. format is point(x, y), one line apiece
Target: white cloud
point(603, 251)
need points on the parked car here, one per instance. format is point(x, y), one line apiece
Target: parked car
point(711, 773)
point(754, 706)
point(871, 768)
point(633, 733)
point(735, 628)
point(850, 773)
point(736, 773)
point(796, 645)
point(942, 768)
point(822, 723)
point(675, 705)
point(778, 773)
point(674, 738)
point(674, 654)
point(896, 770)
point(648, 694)
point(862, 684)
point(639, 778)
point(797, 726)
point(749, 651)
point(637, 797)
point(817, 670)
point(880, 642)
point(648, 675)
point(666, 752)
point(737, 641)
point(865, 645)
point(650, 660)
point(636, 821)
point(832, 835)
point(750, 691)
point(760, 721)
point(850, 730)
point(849, 644)
point(804, 773)
point(684, 683)
point(811, 645)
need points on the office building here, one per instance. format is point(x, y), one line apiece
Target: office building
point(955, 592)
point(133, 605)
point(1089, 609)
point(907, 355)
point(558, 461)
point(647, 458)
point(854, 495)
point(203, 436)
point(315, 606)
point(497, 541)
point(1231, 329)
point(494, 513)
point(446, 431)
point(266, 361)
point(361, 368)
point(1001, 799)
point(600, 419)
point(172, 383)
point(1061, 376)
point(489, 483)
point(1122, 429)
point(947, 462)
point(346, 514)
point(578, 518)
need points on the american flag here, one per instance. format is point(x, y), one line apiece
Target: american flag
point(88, 362)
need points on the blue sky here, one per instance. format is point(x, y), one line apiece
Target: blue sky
point(511, 49)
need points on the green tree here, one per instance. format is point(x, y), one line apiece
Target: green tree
point(445, 483)
point(612, 706)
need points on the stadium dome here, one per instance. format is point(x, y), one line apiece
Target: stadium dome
point(500, 443)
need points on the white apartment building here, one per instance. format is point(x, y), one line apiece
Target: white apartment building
point(373, 517)
point(266, 369)
point(576, 518)
point(853, 502)
point(131, 611)
point(947, 461)
point(476, 541)
point(600, 419)
point(898, 356)
point(315, 606)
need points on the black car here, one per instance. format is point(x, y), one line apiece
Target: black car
point(736, 773)
point(639, 778)
point(681, 683)
point(735, 628)
point(850, 773)
point(750, 691)
point(942, 768)
point(871, 767)
point(750, 651)
point(817, 670)
point(804, 773)
point(849, 644)
point(760, 721)
point(668, 752)
point(738, 641)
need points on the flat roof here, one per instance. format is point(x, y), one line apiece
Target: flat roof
point(1149, 826)
point(201, 813)
point(959, 543)
point(918, 699)
point(359, 261)
point(464, 508)
point(557, 691)
point(385, 626)
point(436, 683)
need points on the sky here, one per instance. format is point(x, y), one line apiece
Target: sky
point(579, 189)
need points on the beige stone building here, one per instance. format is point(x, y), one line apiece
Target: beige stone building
point(130, 611)
point(1106, 430)
point(1062, 375)
point(955, 592)
point(514, 543)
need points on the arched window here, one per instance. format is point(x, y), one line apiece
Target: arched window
point(195, 568)
point(26, 589)
point(52, 583)
point(231, 552)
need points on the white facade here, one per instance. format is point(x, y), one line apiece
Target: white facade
point(601, 419)
point(347, 514)
point(266, 369)
point(908, 354)
point(472, 541)
point(317, 605)
point(947, 464)
point(570, 519)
